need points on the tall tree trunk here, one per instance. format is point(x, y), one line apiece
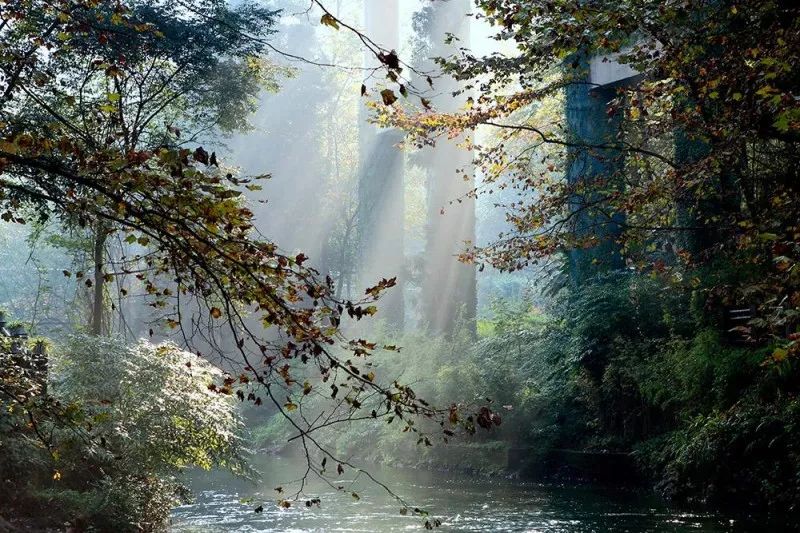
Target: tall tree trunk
point(449, 293)
point(589, 123)
point(381, 189)
point(98, 255)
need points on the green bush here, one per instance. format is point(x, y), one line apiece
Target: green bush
point(745, 456)
point(123, 421)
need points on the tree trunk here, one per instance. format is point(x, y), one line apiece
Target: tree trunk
point(98, 254)
point(449, 292)
point(381, 187)
point(588, 122)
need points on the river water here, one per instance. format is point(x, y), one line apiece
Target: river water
point(462, 502)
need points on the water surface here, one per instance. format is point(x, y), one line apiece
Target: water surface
point(462, 502)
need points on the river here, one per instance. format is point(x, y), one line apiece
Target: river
point(462, 502)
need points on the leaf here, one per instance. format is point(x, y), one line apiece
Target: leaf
point(780, 354)
point(200, 155)
point(388, 97)
point(328, 20)
point(391, 60)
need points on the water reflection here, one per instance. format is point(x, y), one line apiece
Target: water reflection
point(464, 503)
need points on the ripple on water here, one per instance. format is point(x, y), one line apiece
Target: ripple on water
point(463, 503)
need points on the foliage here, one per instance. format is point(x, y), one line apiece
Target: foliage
point(624, 364)
point(122, 421)
point(697, 195)
point(103, 106)
point(136, 388)
point(708, 131)
point(621, 364)
point(759, 438)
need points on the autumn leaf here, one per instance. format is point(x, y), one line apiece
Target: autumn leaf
point(391, 60)
point(328, 20)
point(388, 97)
point(200, 155)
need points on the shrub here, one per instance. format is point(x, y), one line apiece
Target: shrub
point(123, 422)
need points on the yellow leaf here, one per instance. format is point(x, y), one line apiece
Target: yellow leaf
point(780, 354)
point(328, 20)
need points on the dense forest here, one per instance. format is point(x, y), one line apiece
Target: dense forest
point(541, 243)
